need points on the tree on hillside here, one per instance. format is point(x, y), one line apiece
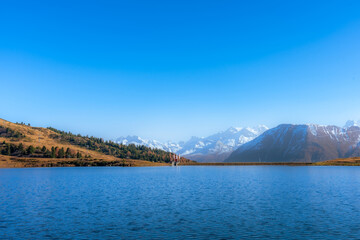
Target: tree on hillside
point(61, 153)
point(68, 153)
point(30, 149)
point(47, 154)
point(21, 148)
point(53, 152)
point(6, 150)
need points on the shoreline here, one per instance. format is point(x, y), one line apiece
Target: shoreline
point(18, 162)
point(247, 164)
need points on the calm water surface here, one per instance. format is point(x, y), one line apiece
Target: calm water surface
point(240, 202)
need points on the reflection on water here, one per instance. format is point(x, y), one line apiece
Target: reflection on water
point(240, 202)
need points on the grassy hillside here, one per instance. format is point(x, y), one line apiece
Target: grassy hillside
point(25, 146)
point(355, 161)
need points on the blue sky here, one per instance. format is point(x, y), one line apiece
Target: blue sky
point(172, 69)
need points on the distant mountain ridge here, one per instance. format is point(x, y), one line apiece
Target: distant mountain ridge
point(138, 141)
point(214, 148)
point(301, 143)
point(217, 147)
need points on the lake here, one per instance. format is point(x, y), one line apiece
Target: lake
point(202, 202)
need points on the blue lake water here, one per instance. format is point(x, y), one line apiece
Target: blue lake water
point(239, 202)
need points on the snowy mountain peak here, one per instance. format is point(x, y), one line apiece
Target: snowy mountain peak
point(351, 123)
point(130, 140)
point(194, 138)
point(258, 129)
point(261, 126)
point(233, 129)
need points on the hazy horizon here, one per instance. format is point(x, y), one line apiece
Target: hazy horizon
point(171, 71)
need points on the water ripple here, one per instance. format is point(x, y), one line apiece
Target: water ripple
point(242, 202)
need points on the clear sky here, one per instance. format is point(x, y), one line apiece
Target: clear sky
point(172, 69)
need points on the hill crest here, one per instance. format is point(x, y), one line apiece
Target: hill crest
point(18, 137)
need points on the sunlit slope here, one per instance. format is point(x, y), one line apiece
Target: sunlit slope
point(355, 161)
point(15, 134)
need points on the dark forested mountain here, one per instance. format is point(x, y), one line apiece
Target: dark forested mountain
point(300, 143)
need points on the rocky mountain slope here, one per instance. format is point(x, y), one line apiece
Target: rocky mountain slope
point(301, 143)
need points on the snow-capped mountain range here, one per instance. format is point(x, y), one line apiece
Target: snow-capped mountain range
point(284, 143)
point(167, 146)
point(213, 148)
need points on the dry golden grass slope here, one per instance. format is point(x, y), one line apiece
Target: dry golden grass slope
point(355, 161)
point(39, 137)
